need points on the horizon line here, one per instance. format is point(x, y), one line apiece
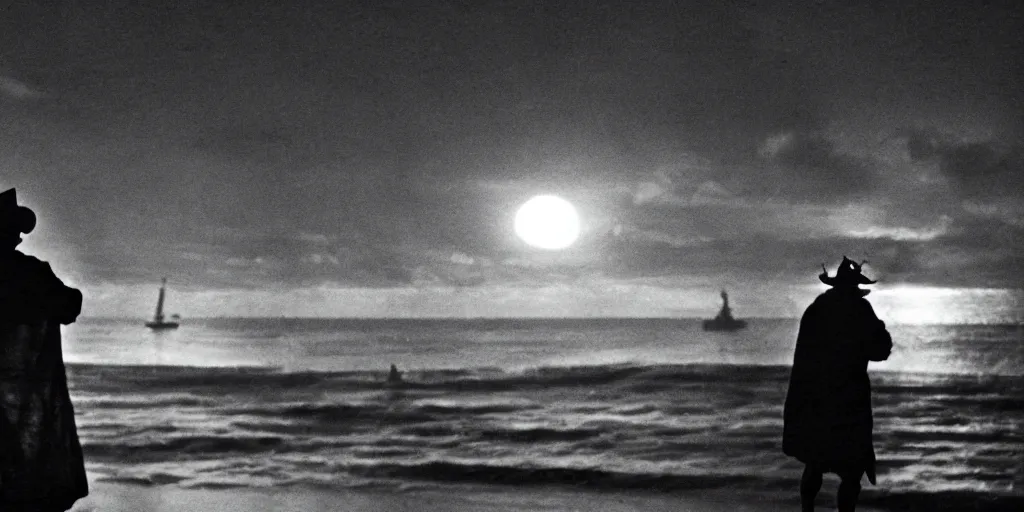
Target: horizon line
point(405, 318)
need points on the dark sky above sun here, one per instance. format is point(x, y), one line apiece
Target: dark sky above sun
point(385, 145)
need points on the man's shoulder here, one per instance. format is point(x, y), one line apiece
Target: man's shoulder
point(822, 299)
point(26, 263)
point(28, 259)
point(836, 302)
point(834, 299)
point(815, 307)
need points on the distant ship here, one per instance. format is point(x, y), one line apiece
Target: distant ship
point(395, 376)
point(724, 321)
point(158, 322)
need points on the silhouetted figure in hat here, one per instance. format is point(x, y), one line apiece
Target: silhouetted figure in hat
point(828, 421)
point(41, 463)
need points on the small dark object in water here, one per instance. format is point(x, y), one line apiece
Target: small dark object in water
point(724, 321)
point(395, 377)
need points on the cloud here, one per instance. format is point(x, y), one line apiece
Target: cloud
point(708, 218)
point(245, 262)
point(462, 259)
point(787, 243)
point(974, 250)
point(431, 268)
point(17, 89)
point(982, 233)
point(322, 259)
point(977, 169)
point(1007, 211)
point(648, 191)
point(906, 233)
point(688, 180)
point(315, 238)
point(775, 144)
point(985, 170)
point(666, 192)
point(808, 166)
point(651, 235)
point(924, 144)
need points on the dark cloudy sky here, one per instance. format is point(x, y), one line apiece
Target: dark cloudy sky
point(378, 149)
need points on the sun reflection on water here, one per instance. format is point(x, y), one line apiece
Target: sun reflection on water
point(943, 306)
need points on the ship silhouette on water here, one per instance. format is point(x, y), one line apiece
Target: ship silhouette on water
point(158, 322)
point(724, 321)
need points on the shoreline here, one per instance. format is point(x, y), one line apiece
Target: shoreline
point(126, 497)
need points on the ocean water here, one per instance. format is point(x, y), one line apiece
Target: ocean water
point(630, 405)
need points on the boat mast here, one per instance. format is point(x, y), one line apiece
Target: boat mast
point(159, 318)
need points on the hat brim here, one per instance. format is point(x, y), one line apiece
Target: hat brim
point(22, 219)
point(836, 281)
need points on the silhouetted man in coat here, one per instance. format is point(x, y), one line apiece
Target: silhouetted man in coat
point(828, 421)
point(41, 463)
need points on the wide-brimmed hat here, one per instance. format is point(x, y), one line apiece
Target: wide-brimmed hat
point(847, 274)
point(13, 215)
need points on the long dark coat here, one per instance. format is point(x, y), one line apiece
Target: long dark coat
point(828, 421)
point(41, 462)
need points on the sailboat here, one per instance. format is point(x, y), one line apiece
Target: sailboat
point(158, 322)
point(724, 321)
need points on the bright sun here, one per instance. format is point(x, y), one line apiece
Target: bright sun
point(547, 222)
